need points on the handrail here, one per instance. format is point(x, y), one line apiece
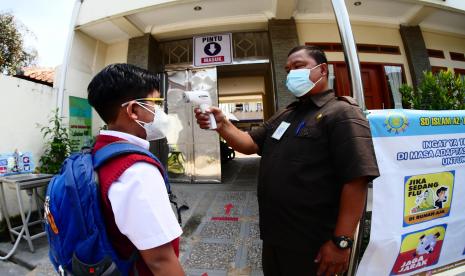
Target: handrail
point(355, 76)
point(350, 51)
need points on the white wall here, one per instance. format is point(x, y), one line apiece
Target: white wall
point(117, 53)
point(447, 43)
point(87, 58)
point(449, 4)
point(241, 85)
point(23, 105)
point(92, 10)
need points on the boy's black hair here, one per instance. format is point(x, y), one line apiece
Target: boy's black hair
point(313, 51)
point(442, 189)
point(117, 84)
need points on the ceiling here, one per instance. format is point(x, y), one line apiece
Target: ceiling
point(182, 20)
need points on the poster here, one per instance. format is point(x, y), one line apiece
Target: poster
point(418, 222)
point(427, 196)
point(80, 123)
point(16, 163)
point(419, 249)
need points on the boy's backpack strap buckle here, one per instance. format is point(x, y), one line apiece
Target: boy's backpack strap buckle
point(61, 271)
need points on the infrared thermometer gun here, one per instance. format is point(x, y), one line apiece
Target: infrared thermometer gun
point(203, 100)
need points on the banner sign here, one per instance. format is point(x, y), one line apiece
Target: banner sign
point(418, 219)
point(80, 123)
point(16, 163)
point(212, 50)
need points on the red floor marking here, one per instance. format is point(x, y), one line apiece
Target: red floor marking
point(227, 209)
point(225, 218)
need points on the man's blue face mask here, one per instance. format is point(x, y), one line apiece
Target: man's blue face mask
point(298, 81)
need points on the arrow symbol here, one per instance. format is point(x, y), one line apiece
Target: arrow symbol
point(212, 48)
point(227, 208)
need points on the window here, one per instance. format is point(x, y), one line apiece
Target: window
point(362, 48)
point(437, 69)
point(394, 80)
point(457, 56)
point(436, 53)
point(331, 76)
point(460, 72)
point(367, 48)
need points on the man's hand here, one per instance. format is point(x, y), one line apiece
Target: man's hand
point(332, 260)
point(203, 119)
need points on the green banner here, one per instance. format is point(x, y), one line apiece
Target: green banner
point(80, 123)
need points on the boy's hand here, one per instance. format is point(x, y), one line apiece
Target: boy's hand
point(203, 119)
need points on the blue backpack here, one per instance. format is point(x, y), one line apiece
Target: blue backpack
point(74, 222)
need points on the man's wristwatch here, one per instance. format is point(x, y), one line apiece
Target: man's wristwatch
point(343, 242)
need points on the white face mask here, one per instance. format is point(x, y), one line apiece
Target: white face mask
point(157, 128)
point(299, 83)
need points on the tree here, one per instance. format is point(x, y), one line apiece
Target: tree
point(441, 91)
point(13, 54)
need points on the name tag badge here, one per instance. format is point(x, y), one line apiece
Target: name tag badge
point(280, 130)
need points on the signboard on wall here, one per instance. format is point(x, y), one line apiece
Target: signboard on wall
point(418, 219)
point(212, 50)
point(80, 123)
point(16, 163)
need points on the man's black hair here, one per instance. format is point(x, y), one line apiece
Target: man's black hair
point(313, 51)
point(117, 84)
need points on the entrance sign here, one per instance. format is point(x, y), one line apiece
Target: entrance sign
point(418, 220)
point(212, 50)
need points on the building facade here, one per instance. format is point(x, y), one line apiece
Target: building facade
point(397, 40)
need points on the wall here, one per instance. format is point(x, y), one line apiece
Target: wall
point(93, 10)
point(241, 85)
point(117, 53)
point(24, 105)
point(446, 43)
point(87, 58)
point(328, 32)
point(458, 5)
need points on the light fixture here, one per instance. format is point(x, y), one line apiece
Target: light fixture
point(197, 8)
point(357, 3)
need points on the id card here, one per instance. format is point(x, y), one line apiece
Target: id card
point(280, 130)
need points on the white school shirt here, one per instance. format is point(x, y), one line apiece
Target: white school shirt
point(140, 202)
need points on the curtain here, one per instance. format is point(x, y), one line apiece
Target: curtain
point(394, 75)
point(331, 76)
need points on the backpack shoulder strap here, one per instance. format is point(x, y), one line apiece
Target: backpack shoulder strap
point(116, 149)
point(120, 148)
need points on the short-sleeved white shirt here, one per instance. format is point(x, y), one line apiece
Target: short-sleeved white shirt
point(140, 202)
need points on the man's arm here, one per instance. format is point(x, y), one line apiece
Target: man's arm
point(162, 261)
point(331, 259)
point(236, 138)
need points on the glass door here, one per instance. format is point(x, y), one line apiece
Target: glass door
point(194, 154)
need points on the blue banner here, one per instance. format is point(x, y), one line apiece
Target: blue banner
point(400, 122)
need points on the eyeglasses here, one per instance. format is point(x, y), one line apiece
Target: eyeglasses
point(159, 102)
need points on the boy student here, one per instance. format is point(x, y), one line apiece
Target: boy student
point(135, 202)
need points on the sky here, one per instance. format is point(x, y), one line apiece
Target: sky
point(49, 20)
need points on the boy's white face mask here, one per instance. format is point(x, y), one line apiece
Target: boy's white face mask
point(157, 128)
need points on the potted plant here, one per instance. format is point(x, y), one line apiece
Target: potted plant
point(57, 145)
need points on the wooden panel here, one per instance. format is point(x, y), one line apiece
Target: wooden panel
point(375, 88)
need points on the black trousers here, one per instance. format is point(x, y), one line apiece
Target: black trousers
point(280, 261)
